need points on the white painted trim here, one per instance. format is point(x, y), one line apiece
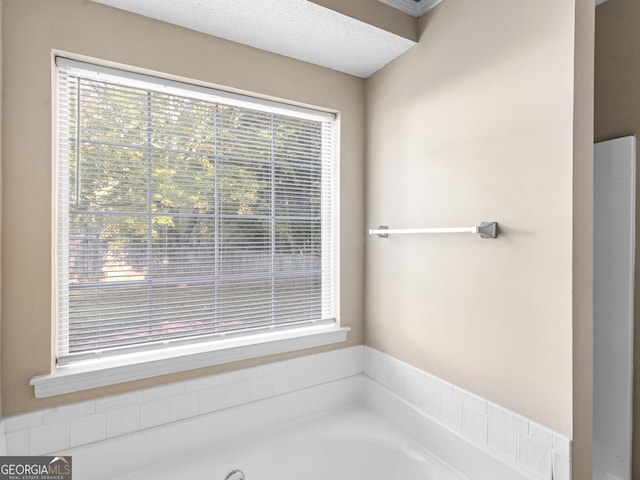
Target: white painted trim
point(415, 9)
point(614, 213)
point(407, 6)
point(425, 5)
point(3, 442)
point(199, 92)
point(136, 366)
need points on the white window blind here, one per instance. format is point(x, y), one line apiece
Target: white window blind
point(185, 212)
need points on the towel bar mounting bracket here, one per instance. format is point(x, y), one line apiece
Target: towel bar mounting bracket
point(488, 230)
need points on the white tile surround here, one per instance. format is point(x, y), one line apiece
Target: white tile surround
point(3, 444)
point(524, 444)
point(530, 447)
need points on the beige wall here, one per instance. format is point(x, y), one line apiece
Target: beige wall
point(582, 303)
point(32, 29)
point(474, 124)
point(617, 114)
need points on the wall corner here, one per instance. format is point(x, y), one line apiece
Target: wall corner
point(582, 250)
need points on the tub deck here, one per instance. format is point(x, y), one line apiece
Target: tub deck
point(350, 429)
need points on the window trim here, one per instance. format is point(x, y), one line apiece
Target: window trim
point(165, 85)
point(180, 357)
point(156, 82)
point(129, 367)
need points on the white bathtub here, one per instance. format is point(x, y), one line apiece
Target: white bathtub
point(347, 444)
point(352, 429)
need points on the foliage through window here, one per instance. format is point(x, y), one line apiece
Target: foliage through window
point(185, 212)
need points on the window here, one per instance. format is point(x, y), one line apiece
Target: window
point(185, 213)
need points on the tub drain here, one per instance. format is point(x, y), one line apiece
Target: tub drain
point(235, 475)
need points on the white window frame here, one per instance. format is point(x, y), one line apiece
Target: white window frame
point(180, 356)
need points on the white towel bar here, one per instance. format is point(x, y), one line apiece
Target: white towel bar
point(485, 229)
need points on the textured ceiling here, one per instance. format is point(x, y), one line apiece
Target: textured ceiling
point(294, 28)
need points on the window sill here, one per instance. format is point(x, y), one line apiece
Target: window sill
point(136, 366)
